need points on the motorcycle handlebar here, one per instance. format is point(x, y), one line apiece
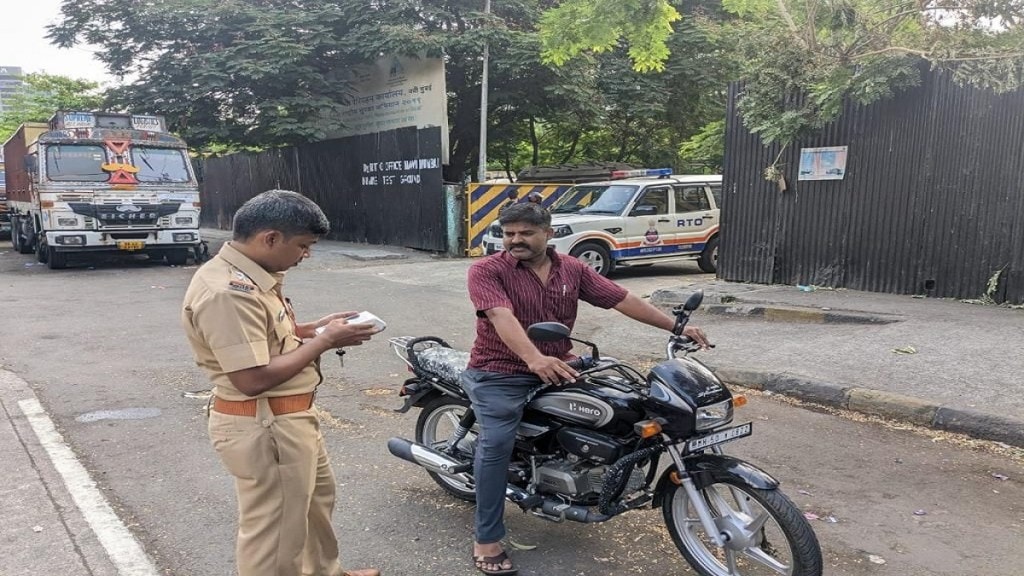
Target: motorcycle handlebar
point(581, 363)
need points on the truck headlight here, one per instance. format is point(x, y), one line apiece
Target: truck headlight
point(714, 415)
point(62, 221)
point(183, 220)
point(70, 240)
point(184, 237)
point(562, 230)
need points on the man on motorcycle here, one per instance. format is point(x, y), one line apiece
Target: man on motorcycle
point(526, 283)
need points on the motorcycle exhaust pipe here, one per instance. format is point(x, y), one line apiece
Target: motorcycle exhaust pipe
point(430, 459)
point(554, 510)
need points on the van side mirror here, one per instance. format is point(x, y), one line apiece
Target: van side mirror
point(644, 210)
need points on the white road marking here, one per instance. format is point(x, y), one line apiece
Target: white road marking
point(123, 549)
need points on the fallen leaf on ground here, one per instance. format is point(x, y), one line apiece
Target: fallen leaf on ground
point(519, 546)
point(905, 350)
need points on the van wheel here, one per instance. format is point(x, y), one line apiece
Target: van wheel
point(708, 261)
point(594, 255)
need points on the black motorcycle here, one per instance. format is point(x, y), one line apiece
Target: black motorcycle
point(590, 450)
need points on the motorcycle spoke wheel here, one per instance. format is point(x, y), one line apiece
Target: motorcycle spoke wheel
point(765, 534)
point(435, 426)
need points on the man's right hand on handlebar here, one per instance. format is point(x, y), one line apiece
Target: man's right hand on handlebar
point(551, 370)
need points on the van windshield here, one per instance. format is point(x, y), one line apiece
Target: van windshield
point(75, 163)
point(594, 199)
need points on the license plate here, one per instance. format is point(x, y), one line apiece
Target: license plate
point(720, 437)
point(131, 245)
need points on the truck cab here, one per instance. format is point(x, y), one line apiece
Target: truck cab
point(97, 182)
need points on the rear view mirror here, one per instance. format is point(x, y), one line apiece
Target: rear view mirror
point(693, 302)
point(548, 332)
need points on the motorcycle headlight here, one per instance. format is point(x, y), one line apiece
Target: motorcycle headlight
point(714, 415)
point(562, 231)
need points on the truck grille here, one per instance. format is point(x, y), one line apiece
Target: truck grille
point(124, 215)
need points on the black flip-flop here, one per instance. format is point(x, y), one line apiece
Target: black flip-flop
point(479, 561)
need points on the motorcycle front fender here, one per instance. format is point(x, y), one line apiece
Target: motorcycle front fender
point(707, 469)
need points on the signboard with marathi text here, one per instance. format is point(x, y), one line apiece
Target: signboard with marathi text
point(397, 92)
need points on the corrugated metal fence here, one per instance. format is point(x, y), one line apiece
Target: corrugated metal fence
point(932, 201)
point(383, 188)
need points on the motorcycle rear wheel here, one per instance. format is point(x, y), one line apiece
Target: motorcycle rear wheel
point(435, 425)
point(767, 532)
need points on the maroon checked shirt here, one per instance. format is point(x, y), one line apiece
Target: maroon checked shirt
point(501, 281)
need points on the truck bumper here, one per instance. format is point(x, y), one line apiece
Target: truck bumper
point(91, 241)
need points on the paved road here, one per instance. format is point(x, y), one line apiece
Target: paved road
point(102, 350)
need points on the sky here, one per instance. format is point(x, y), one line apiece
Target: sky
point(23, 44)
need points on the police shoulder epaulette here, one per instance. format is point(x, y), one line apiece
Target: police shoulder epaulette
point(240, 282)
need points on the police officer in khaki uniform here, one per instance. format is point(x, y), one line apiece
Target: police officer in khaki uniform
point(264, 368)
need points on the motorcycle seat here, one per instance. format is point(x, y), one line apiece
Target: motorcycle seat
point(447, 363)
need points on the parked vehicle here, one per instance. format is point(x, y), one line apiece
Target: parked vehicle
point(5, 214)
point(101, 182)
point(640, 218)
point(591, 450)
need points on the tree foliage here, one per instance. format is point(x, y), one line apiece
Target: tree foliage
point(43, 94)
point(237, 73)
point(800, 61)
point(228, 71)
point(577, 26)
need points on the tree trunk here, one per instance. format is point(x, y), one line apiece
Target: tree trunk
point(534, 141)
point(572, 148)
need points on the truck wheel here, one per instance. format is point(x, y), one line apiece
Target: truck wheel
point(56, 260)
point(177, 257)
point(15, 234)
point(24, 242)
point(708, 261)
point(42, 252)
point(594, 255)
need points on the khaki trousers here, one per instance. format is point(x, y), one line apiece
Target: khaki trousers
point(285, 489)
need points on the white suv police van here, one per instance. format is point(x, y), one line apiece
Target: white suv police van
point(640, 218)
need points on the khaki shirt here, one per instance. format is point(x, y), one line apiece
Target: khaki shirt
point(236, 318)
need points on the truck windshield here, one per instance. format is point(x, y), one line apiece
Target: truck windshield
point(75, 162)
point(160, 164)
point(600, 199)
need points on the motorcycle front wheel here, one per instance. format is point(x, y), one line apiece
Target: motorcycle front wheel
point(765, 533)
point(436, 424)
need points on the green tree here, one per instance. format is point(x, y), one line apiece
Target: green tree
point(43, 94)
point(800, 61)
point(236, 72)
point(577, 26)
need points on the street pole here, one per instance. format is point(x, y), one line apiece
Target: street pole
point(482, 170)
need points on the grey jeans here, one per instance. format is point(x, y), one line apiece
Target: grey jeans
point(498, 401)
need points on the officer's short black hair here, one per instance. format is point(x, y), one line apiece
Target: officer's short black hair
point(526, 213)
point(287, 212)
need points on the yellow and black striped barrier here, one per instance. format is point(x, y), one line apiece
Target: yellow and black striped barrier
point(486, 199)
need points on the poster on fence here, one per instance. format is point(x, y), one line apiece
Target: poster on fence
point(397, 92)
point(823, 163)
